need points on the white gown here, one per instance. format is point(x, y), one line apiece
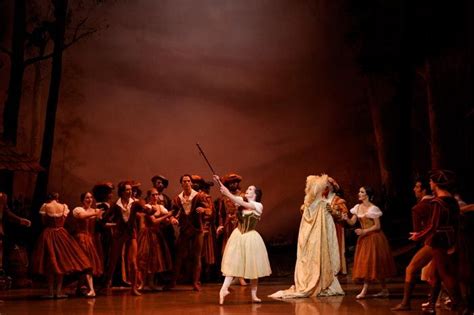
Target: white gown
point(317, 260)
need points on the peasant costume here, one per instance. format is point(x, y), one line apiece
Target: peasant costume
point(373, 259)
point(57, 252)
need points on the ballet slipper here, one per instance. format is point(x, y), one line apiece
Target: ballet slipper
point(360, 296)
point(135, 292)
point(382, 294)
point(222, 295)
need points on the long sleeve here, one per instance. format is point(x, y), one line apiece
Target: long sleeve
point(432, 224)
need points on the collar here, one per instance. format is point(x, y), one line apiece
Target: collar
point(191, 196)
point(120, 204)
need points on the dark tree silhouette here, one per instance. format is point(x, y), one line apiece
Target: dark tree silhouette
point(12, 103)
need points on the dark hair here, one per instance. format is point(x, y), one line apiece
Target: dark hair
point(182, 176)
point(258, 194)
point(101, 192)
point(83, 195)
point(370, 192)
point(149, 192)
point(425, 184)
point(121, 187)
point(136, 192)
point(52, 196)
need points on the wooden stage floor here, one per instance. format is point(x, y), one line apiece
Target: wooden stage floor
point(184, 301)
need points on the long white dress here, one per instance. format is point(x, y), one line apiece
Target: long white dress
point(317, 259)
point(245, 254)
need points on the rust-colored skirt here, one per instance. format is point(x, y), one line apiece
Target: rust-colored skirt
point(58, 253)
point(153, 252)
point(373, 259)
point(87, 243)
point(209, 248)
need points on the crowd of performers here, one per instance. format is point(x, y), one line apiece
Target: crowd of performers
point(143, 240)
point(148, 239)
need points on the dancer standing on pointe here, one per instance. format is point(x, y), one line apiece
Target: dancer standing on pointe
point(245, 254)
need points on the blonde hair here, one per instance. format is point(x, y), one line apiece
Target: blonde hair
point(315, 186)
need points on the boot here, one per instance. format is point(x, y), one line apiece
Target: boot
point(456, 299)
point(197, 278)
point(430, 306)
point(405, 304)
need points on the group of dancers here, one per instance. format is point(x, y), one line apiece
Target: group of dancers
point(159, 234)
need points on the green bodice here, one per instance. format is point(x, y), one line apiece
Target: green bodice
point(247, 222)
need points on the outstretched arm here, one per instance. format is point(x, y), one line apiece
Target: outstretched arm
point(239, 201)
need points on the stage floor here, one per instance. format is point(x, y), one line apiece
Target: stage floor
point(184, 301)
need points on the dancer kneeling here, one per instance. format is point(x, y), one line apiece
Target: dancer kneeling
point(245, 255)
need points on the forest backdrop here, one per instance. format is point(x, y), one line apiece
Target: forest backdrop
point(373, 92)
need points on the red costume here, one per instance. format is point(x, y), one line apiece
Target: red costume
point(56, 251)
point(191, 233)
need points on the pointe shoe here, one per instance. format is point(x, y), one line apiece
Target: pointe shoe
point(256, 300)
point(360, 296)
point(91, 294)
point(61, 296)
point(222, 295)
point(382, 294)
point(196, 287)
point(135, 292)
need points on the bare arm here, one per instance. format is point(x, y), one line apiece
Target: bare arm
point(239, 201)
point(467, 208)
point(350, 221)
point(374, 227)
point(10, 216)
point(86, 215)
point(161, 218)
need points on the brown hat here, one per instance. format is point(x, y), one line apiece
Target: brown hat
point(196, 179)
point(207, 183)
point(135, 183)
point(101, 190)
point(231, 178)
point(163, 179)
point(445, 179)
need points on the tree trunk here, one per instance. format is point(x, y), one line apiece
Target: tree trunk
point(433, 119)
point(60, 12)
point(375, 107)
point(12, 103)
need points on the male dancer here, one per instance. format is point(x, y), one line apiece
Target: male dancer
point(421, 215)
point(338, 209)
point(189, 208)
point(123, 214)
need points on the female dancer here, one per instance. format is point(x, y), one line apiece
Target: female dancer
point(57, 253)
point(245, 254)
point(373, 259)
point(85, 217)
point(153, 253)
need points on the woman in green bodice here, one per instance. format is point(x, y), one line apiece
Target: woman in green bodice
point(245, 254)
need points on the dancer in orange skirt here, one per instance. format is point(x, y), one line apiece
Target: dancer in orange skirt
point(373, 259)
point(57, 253)
point(85, 218)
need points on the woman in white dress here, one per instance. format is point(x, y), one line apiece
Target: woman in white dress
point(245, 254)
